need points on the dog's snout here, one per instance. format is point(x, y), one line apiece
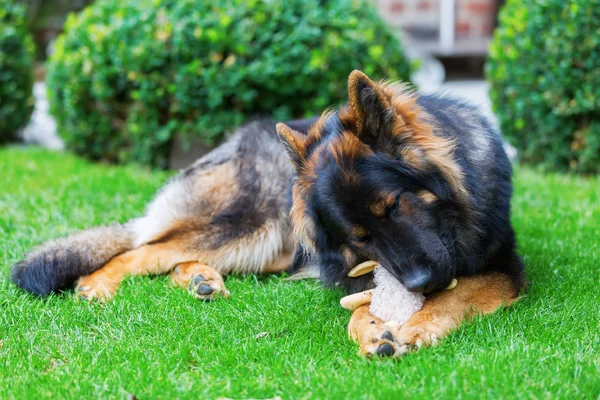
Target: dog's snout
point(418, 280)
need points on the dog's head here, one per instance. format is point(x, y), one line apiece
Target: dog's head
point(373, 181)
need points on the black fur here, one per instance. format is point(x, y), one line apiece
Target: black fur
point(435, 242)
point(56, 264)
point(45, 273)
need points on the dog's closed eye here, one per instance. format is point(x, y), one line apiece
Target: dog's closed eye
point(359, 235)
point(384, 205)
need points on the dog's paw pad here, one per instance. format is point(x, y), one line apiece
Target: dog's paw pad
point(381, 345)
point(204, 289)
point(207, 289)
point(387, 335)
point(385, 350)
point(200, 280)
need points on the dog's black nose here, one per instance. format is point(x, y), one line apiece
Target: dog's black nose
point(418, 280)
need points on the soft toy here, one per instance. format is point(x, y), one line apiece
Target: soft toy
point(390, 300)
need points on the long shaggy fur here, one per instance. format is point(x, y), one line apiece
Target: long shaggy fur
point(420, 183)
point(229, 210)
point(56, 264)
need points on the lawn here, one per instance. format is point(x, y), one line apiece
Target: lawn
point(280, 338)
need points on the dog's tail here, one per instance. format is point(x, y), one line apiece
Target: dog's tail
point(56, 264)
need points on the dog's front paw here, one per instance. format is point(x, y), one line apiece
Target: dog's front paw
point(380, 341)
point(420, 332)
point(374, 337)
point(202, 281)
point(206, 288)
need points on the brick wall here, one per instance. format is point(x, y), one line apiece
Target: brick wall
point(474, 18)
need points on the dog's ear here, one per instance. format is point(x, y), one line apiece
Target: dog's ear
point(294, 142)
point(370, 105)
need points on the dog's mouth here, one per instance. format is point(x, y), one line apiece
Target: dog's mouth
point(417, 279)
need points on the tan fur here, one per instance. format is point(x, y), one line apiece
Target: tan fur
point(190, 275)
point(303, 227)
point(266, 250)
point(228, 210)
point(315, 132)
point(358, 231)
point(281, 263)
point(145, 260)
point(366, 330)
point(260, 252)
point(406, 207)
point(427, 196)
point(248, 254)
point(295, 140)
point(213, 190)
point(442, 312)
point(170, 212)
point(349, 256)
point(413, 157)
point(347, 147)
point(382, 204)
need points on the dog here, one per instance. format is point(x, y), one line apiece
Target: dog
point(423, 185)
point(420, 183)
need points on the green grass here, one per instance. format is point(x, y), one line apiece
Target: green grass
point(155, 341)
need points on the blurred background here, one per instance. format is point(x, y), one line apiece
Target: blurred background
point(161, 82)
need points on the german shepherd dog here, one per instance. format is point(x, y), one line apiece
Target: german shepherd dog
point(421, 184)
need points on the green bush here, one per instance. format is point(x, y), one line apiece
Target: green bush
point(544, 74)
point(16, 70)
point(127, 76)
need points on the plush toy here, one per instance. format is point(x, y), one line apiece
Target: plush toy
point(390, 300)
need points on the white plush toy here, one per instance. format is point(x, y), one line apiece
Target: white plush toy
point(390, 300)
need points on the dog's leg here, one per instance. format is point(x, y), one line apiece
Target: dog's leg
point(372, 335)
point(199, 279)
point(206, 283)
point(150, 259)
point(445, 310)
point(441, 313)
point(281, 263)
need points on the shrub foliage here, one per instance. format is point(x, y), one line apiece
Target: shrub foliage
point(126, 77)
point(544, 74)
point(16, 70)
